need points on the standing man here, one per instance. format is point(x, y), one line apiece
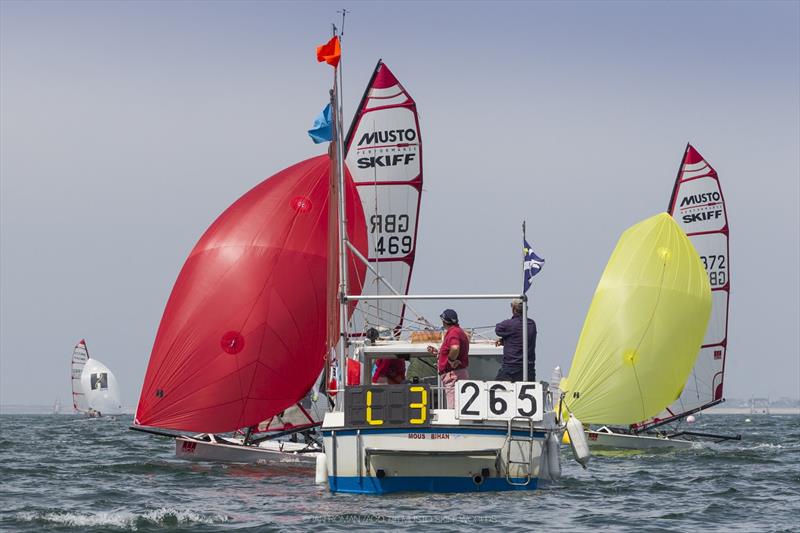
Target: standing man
point(510, 333)
point(453, 355)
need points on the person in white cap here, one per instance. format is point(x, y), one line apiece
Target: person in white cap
point(453, 355)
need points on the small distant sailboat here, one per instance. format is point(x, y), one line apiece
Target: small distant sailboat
point(95, 391)
point(643, 330)
point(57, 406)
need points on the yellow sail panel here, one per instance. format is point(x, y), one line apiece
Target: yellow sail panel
point(644, 327)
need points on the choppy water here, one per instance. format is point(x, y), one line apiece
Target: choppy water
point(61, 473)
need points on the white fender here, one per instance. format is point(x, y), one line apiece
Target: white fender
point(577, 439)
point(553, 457)
point(322, 469)
point(544, 462)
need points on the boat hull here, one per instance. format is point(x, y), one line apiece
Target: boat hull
point(443, 457)
point(267, 453)
point(602, 440)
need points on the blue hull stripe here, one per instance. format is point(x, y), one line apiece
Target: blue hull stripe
point(373, 485)
point(438, 430)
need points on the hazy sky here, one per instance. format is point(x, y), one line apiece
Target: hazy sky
point(127, 127)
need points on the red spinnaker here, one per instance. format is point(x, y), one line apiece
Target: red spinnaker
point(243, 334)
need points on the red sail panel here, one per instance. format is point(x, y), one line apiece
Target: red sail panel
point(384, 155)
point(243, 334)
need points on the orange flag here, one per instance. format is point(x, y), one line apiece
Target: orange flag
point(330, 52)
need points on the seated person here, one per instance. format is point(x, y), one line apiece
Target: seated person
point(389, 371)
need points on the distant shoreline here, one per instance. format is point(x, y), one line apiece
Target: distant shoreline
point(746, 411)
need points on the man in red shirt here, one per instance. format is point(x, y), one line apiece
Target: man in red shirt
point(453, 355)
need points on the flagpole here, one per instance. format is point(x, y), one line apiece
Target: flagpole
point(524, 312)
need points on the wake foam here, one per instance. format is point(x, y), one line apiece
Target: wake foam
point(123, 519)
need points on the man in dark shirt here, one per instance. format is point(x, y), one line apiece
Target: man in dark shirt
point(510, 333)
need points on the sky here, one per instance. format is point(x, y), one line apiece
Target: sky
point(126, 128)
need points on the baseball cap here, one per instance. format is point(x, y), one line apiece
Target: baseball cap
point(449, 316)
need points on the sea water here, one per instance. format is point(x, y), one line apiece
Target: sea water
point(65, 473)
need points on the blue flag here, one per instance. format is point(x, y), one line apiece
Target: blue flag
point(533, 264)
point(321, 132)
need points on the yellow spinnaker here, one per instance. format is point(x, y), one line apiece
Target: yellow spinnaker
point(644, 327)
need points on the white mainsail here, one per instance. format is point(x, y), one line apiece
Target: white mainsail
point(697, 204)
point(79, 357)
point(100, 388)
point(384, 157)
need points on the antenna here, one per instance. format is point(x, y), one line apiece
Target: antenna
point(344, 13)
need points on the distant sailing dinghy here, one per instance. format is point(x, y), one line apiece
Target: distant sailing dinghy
point(95, 391)
point(643, 330)
point(698, 206)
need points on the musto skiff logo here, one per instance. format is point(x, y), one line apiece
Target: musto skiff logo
point(701, 207)
point(387, 148)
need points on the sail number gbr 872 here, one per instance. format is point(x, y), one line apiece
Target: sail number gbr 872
point(498, 400)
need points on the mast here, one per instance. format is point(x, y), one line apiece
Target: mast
point(524, 314)
point(339, 155)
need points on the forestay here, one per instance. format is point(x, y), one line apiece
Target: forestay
point(79, 357)
point(697, 204)
point(643, 329)
point(384, 156)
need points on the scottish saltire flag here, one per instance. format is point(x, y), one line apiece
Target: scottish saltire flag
point(321, 132)
point(532, 265)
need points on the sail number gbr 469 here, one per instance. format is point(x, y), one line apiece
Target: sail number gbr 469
point(498, 400)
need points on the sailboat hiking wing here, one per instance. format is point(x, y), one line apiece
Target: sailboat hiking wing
point(698, 206)
point(384, 155)
point(243, 335)
point(80, 354)
point(643, 329)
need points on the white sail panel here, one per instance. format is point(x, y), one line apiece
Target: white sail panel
point(384, 157)
point(101, 388)
point(717, 324)
point(699, 206)
point(391, 219)
point(385, 146)
point(79, 357)
point(713, 251)
point(706, 376)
